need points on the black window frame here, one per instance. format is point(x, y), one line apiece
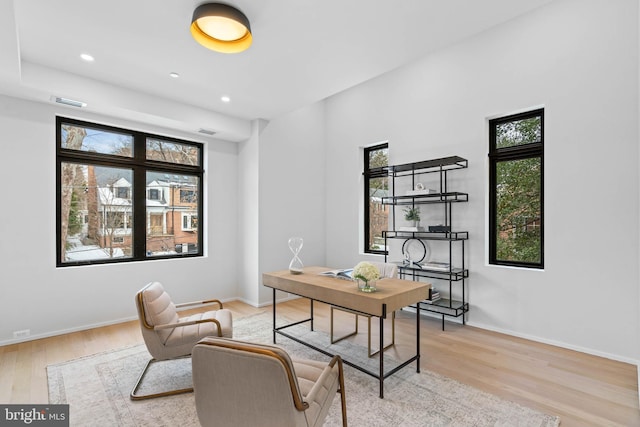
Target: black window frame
point(511, 153)
point(140, 165)
point(370, 173)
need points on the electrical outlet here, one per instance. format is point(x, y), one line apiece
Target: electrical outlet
point(21, 334)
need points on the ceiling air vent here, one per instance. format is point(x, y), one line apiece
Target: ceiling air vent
point(67, 101)
point(206, 131)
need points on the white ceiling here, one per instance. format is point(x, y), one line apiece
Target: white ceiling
point(303, 51)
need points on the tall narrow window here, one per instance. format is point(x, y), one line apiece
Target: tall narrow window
point(124, 195)
point(516, 166)
point(376, 186)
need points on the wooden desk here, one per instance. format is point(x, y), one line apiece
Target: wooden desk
point(392, 294)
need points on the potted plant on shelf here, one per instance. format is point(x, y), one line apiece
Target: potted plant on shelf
point(412, 214)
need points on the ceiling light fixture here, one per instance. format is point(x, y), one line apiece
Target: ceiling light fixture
point(174, 75)
point(220, 27)
point(225, 98)
point(87, 57)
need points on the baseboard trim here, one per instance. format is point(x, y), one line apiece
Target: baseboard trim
point(83, 328)
point(555, 343)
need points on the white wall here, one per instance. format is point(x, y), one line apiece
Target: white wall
point(248, 215)
point(292, 190)
point(47, 300)
point(578, 59)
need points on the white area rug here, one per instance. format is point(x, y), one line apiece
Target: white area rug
point(97, 389)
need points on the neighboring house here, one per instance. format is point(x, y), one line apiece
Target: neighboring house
point(172, 216)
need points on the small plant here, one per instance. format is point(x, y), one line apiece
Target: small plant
point(412, 214)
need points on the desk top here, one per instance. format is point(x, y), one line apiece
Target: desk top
point(395, 293)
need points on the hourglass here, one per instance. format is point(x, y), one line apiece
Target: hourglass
point(295, 266)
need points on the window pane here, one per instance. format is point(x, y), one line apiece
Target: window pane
point(518, 132)
point(378, 158)
point(172, 217)
point(97, 141)
point(96, 212)
point(376, 187)
point(173, 152)
point(518, 210)
point(378, 213)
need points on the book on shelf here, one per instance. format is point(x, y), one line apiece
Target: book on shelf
point(344, 274)
point(421, 192)
point(419, 228)
point(434, 265)
point(434, 295)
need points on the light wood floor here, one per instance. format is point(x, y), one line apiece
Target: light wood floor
point(583, 390)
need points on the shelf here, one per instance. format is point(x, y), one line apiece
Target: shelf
point(455, 274)
point(440, 201)
point(426, 235)
point(446, 306)
point(428, 166)
point(423, 199)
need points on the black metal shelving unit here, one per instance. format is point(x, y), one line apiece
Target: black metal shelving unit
point(452, 275)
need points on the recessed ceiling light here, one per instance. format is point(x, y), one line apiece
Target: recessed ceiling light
point(174, 75)
point(225, 98)
point(87, 57)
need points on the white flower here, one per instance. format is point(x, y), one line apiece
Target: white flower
point(366, 271)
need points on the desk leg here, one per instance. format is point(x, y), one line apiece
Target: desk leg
point(311, 311)
point(418, 336)
point(274, 315)
point(381, 360)
point(384, 314)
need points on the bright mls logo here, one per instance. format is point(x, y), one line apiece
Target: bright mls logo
point(34, 415)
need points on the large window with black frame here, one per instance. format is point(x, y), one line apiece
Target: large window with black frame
point(516, 190)
point(376, 186)
point(124, 195)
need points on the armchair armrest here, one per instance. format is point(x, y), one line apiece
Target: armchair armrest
point(319, 384)
point(203, 302)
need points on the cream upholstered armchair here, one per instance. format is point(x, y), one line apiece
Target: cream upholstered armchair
point(247, 384)
point(388, 270)
point(169, 336)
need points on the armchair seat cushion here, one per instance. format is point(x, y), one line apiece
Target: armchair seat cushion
point(188, 334)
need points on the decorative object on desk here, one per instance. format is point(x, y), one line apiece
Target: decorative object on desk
point(439, 228)
point(412, 214)
point(344, 274)
point(415, 251)
point(366, 274)
point(295, 244)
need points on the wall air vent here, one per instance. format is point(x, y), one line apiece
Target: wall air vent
point(67, 101)
point(206, 131)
